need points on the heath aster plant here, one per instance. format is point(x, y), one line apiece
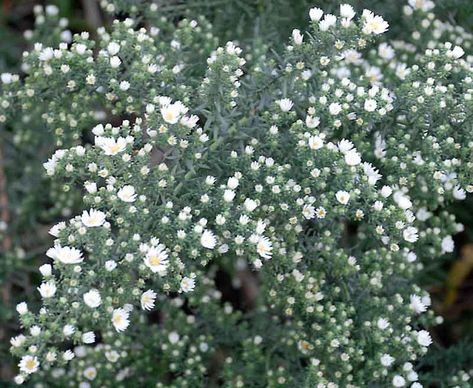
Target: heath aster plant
point(311, 181)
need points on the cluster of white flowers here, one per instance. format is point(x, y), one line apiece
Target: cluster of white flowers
point(314, 177)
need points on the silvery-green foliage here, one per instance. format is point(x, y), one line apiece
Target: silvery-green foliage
point(316, 174)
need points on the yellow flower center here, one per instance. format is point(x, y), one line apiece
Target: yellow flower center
point(30, 363)
point(155, 260)
point(115, 148)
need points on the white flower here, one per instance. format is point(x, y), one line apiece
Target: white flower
point(171, 113)
point(424, 5)
point(308, 211)
point(448, 245)
point(456, 53)
point(233, 183)
point(120, 319)
point(28, 364)
point(347, 11)
point(399, 381)
point(410, 234)
point(187, 284)
point(66, 255)
point(344, 146)
point(297, 36)
point(264, 247)
point(22, 308)
point(371, 173)
point(124, 85)
point(147, 300)
point(417, 305)
point(68, 330)
point(370, 105)
point(110, 265)
point(459, 193)
point(328, 21)
point(92, 298)
point(54, 231)
point(312, 122)
point(18, 340)
point(250, 204)
point(46, 270)
point(334, 108)
point(68, 355)
point(91, 187)
point(6, 78)
point(47, 290)
point(173, 337)
point(127, 193)
point(352, 158)
point(423, 338)
point(115, 62)
point(228, 195)
point(374, 24)
point(386, 360)
point(342, 196)
point(285, 104)
point(90, 373)
point(93, 218)
point(315, 142)
point(113, 48)
point(402, 200)
point(110, 145)
point(382, 323)
point(315, 14)
point(88, 337)
point(156, 259)
point(208, 239)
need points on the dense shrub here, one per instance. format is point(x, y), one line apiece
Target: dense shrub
point(311, 180)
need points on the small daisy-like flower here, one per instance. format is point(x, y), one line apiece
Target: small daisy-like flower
point(342, 196)
point(370, 105)
point(264, 247)
point(448, 245)
point(92, 298)
point(399, 381)
point(29, 364)
point(93, 218)
point(47, 290)
point(352, 158)
point(386, 360)
point(66, 255)
point(90, 373)
point(120, 319)
point(171, 113)
point(410, 234)
point(68, 355)
point(315, 142)
point(88, 337)
point(315, 14)
point(113, 48)
point(111, 146)
point(297, 37)
point(417, 305)
point(285, 104)
point(187, 284)
point(22, 308)
point(147, 300)
point(374, 24)
point(156, 259)
point(127, 194)
point(208, 239)
point(308, 211)
point(320, 212)
point(423, 338)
